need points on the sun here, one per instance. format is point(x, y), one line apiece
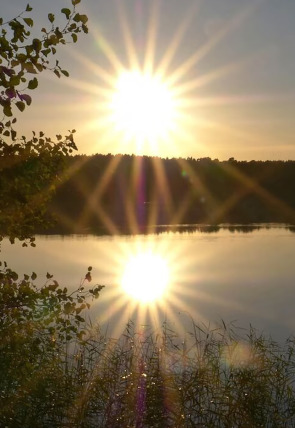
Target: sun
point(142, 107)
point(145, 277)
point(149, 97)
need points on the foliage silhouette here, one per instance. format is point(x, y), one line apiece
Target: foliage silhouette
point(22, 55)
point(37, 327)
point(198, 191)
point(25, 191)
point(54, 369)
point(214, 378)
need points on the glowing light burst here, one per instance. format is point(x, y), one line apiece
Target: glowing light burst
point(144, 100)
point(150, 284)
point(145, 277)
point(142, 107)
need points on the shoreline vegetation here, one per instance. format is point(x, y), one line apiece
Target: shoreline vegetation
point(136, 193)
point(166, 228)
point(53, 375)
point(58, 371)
point(128, 194)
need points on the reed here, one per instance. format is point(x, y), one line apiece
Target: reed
point(58, 371)
point(145, 378)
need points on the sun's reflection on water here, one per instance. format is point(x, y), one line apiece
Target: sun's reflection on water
point(146, 277)
point(151, 284)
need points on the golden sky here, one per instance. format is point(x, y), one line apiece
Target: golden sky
point(173, 78)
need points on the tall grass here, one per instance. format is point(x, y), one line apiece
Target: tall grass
point(213, 378)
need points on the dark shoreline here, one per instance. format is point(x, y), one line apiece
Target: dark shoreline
point(180, 228)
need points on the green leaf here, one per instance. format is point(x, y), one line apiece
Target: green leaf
point(45, 52)
point(30, 68)
point(33, 83)
point(33, 276)
point(21, 57)
point(7, 110)
point(85, 28)
point(15, 81)
point(65, 73)
point(14, 63)
point(77, 17)
point(83, 18)
point(57, 73)
point(28, 8)
point(29, 21)
point(66, 11)
point(37, 45)
point(51, 17)
point(74, 37)
point(74, 2)
point(20, 105)
point(52, 287)
point(39, 67)
point(68, 308)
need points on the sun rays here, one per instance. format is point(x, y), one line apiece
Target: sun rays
point(146, 105)
point(190, 124)
point(150, 284)
point(149, 103)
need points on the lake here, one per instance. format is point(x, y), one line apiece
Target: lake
point(226, 274)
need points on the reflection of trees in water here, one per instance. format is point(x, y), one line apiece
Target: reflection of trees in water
point(244, 228)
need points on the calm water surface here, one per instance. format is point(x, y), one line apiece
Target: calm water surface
point(234, 276)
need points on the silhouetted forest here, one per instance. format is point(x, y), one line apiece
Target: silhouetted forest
point(128, 193)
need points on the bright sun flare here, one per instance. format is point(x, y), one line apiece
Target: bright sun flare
point(142, 107)
point(145, 277)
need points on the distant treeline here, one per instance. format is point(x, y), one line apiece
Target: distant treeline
point(128, 193)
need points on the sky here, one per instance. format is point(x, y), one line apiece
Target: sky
point(217, 78)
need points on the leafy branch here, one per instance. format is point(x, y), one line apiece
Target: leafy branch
point(21, 55)
point(50, 309)
point(30, 168)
